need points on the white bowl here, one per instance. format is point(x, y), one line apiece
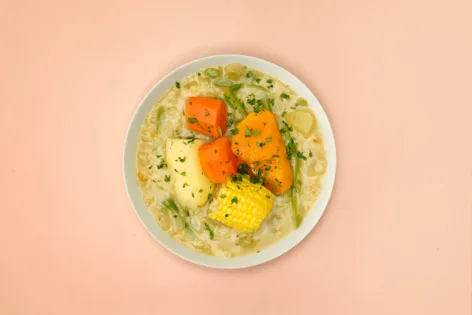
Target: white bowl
point(129, 164)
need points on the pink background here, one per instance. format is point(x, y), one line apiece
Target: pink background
point(394, 77)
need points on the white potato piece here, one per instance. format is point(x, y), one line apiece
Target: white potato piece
point(302, 121)
point(234, 71)
point(191, 186)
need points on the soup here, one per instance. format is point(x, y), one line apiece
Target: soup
point(230, 160)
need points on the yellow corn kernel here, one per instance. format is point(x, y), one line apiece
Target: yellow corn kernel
point(142, 177)
point(242, 205)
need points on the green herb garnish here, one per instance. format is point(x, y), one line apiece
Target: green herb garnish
point(207, 227)
point(301, 156)
point(247, 133)
point(284, 96)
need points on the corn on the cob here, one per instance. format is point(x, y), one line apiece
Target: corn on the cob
point(242, 205)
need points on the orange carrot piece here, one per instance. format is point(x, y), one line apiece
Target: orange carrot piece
point(206, 115)
point(277, 174)
point(258, 138)
point(218, 162)
point(259, 144)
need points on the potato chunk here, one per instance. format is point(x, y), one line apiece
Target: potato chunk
point(302, 121)
point(191, 187)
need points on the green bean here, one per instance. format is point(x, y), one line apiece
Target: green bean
point(172, 206)
point(159, 116)
point(179, 213)
point(302, 102)
point(229, 84)
point(234, 102)
point(212, 72)
point(270, 104)
point(297, 183)
point(296, 189)
point(259, 87)
point(236, 86)
point(267, 104)
point(224, 83)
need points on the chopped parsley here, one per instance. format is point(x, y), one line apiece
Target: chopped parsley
point(182, 159)
point(247, 133)
point(235, 131)
point(242, 168)
point(284, 96)
point(207, 113)
point(185, 185)
point(200, 191)
point(177, 84)
point(258, 80)
point(254, 180)
point(161, 165)
point(268, 139)
point(301, 156)
point(222, 196)
point(236, 178)
point(255, 132)
point(234, 200)
point(292, 148)
point(311, 154)
point(150, 166)
point(183, 173)
point(260, 144)
point(287, 125)
point(269, 81)
point(167, 178)
point(210, 196)
point(192, 120)
point(251, 100)
point(226, 215)
point(207, 227)
point(283, 114)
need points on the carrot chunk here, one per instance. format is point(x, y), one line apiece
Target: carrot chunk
point(218, 161)
point(206, 115)
point(258, 143)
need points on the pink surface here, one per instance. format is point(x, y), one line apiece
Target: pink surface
point(394, 78)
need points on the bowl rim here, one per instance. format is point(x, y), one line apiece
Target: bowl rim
point(134, 194)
